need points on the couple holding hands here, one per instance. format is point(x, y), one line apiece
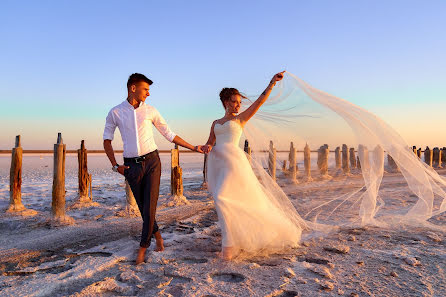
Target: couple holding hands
point(249, 218)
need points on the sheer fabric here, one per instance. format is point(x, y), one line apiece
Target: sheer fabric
point(298, 112)
point(256, 215)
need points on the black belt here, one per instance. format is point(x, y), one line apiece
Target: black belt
point(140, 158)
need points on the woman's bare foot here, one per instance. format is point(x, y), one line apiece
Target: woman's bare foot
point(140, 255)
point(227, 253)
point(159, 242)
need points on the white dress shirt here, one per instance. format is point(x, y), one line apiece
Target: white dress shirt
point(135, 126)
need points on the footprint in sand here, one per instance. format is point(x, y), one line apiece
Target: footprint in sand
point(288, 294)
point(228, 277)
point(192, 261)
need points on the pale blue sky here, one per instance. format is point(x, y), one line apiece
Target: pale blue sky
point(64, 64)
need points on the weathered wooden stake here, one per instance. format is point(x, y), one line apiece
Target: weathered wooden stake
point(378, 155)
point(428, 156)
point(176, 173)
point(284, 166)
point(363, 155)
point(293, 162)
point(307, 163)
point(58, 194)
point(338, 158)
point(358, 163)
point(414, 149)
point(84, 177)
point(131, 207)
point(419, 153)
point(204, 185)
point(437, 157)
point(176, 180)
point(392, 164)
point(15, 178)
point(322, 160)
point(247, 149)
point(443, 154)
point(352, 158)
point(272, 160)
point(345, 157)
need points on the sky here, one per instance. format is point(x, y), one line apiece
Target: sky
point(65, 64)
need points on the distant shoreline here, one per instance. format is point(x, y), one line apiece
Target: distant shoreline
point(5, 152)
point(2, 152)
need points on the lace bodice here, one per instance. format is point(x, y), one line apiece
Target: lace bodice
point(227, 133)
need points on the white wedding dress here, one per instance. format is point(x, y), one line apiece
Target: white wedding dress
point(251, 215)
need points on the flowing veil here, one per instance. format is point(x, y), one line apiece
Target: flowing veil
point(299, 113)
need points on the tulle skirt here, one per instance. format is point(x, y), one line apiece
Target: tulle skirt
point(248, 215)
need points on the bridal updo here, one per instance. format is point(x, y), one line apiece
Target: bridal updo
point(226, 94)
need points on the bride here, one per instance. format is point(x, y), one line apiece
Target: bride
point(256, 216)
point(252, 218)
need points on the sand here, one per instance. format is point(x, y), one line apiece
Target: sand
point(95, 256)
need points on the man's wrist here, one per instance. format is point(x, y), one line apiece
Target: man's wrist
point(115, 167)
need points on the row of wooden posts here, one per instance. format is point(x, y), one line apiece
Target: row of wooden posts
point(84, 178)
point(58, 189)
point(345, 160)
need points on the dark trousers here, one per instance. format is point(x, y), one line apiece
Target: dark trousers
point(144, 180)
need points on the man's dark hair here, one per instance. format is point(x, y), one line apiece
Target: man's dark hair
point(137, 78)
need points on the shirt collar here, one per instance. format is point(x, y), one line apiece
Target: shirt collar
point(128, 105)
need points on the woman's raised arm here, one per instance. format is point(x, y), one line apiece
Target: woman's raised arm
point(251, 110)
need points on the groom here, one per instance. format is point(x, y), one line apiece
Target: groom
point(142, 166)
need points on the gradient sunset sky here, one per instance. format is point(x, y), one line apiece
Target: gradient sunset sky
point(64, 64)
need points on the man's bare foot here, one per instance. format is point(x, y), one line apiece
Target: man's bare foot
point(227, 253)
point(159, 242)
point(140, 255)
point(159, 245)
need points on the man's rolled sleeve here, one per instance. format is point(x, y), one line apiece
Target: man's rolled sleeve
point(161, 125)
point(110, 126)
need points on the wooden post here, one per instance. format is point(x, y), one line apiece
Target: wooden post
point(322, 160)
point(204, 185)
point(307, 163)
point(15, 178)
point(363, 155)
point(437, 157)
point(443, 154)
point(358, 163)
point(345, 157)
point(428, 156)
point(414, 149)
point(392, 165)
point(58, 194)
point(84, 177)
point(272, 160)
point(284, 166)
point(131, 207)
point(176, 178)
point(338, 158)
point(419, 153)
point(352, 158)
point(293, 162)
point(378, 155)
point(247, 149)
